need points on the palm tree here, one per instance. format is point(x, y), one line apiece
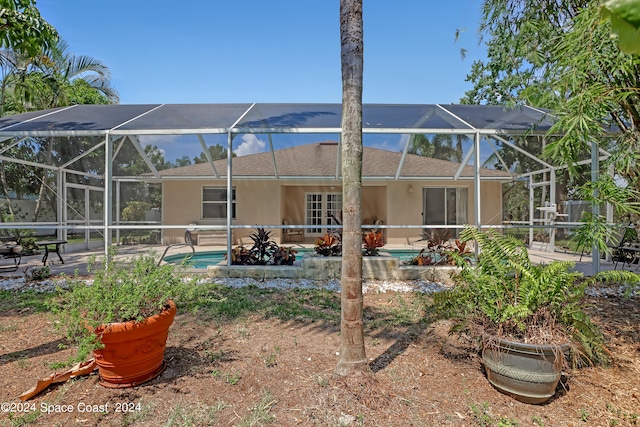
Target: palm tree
point(59, 69)
point(57, 78)
point(439, 147)
point(352, 360)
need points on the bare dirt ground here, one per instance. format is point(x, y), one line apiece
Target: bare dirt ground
point(274, 366)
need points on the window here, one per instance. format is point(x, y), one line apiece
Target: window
point(319, 209)
point(214, 203)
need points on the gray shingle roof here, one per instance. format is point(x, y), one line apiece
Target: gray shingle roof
point(320, 159)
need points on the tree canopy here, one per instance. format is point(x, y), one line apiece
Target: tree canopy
point(23, 29)
point(560, 55)
point(625, 22)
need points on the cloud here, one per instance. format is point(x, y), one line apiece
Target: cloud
point(250, 144)
point(390, 145)
point(173, 146)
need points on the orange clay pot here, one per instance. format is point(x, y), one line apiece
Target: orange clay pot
point(133, 352)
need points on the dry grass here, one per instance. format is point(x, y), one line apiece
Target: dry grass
point(218, 373)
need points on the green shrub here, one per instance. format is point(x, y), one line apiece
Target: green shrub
point(121, 291)
point(504, 294)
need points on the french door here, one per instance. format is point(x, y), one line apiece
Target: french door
point(320, 209)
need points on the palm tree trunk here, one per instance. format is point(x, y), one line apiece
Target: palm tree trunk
point(352, 360)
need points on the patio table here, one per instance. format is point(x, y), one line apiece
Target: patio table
point(46, 243)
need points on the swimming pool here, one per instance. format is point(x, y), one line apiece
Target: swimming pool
point(205, 259)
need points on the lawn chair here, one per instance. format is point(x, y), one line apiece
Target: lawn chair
point(620, 238)
point(11, 250)
point(288, 234)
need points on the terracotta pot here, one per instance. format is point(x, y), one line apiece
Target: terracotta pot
point(133, 352)
point(528, 372)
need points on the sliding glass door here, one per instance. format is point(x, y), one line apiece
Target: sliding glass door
point(445, 206)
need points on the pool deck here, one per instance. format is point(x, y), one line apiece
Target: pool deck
point(77, 261)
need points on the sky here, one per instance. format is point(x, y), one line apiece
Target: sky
point(236, 51)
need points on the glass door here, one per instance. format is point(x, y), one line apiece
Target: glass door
point(321, 209)
point(444, 206)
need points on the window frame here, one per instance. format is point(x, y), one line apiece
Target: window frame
point(223, 203)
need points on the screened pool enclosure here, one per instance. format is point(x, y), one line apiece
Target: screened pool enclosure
point(98, 175)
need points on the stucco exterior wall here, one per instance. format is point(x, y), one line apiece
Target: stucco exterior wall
point(261, 202)
point(257, 202)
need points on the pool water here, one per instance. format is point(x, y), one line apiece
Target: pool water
point(205, 259)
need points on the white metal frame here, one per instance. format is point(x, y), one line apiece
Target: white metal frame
point(121, 135)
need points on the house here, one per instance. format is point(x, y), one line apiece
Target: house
point(302, 185)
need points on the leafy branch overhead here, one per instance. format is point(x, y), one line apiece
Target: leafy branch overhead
point(625, 22)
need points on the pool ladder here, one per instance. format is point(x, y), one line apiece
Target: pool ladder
point(188, 241)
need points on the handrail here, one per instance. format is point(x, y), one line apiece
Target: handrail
point(187, 242)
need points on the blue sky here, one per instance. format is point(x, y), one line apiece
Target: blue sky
point(219, 51)
point(213, 51)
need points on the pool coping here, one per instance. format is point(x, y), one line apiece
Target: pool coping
point(381, 267)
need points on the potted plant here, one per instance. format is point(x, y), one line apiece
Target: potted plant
point(527, 316)
point(122, 316)
point(371, 242)
point(284, 255)
point(329, 245)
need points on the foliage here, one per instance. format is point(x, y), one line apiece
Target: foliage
point(60, 68)
point(121, 291)
point(560, 55)
point(38, 273)
point(372, 241)
point(135, 211)
point(594, 230)
point(241, 256)
point(23, 28)
point(441, 252)
point(263, 246)
point(53, 78)
point(520, 36)
point(625, 22)
point(506, 295)
point(284, 255)
point(436, 237)
point(263, 251)
point(329, 245)
point(439, 146)
point(216, 152)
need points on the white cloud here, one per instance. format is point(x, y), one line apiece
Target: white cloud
point(390, 145)
point(250, 144)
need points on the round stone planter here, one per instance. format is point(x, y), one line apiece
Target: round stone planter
point(528, 372)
